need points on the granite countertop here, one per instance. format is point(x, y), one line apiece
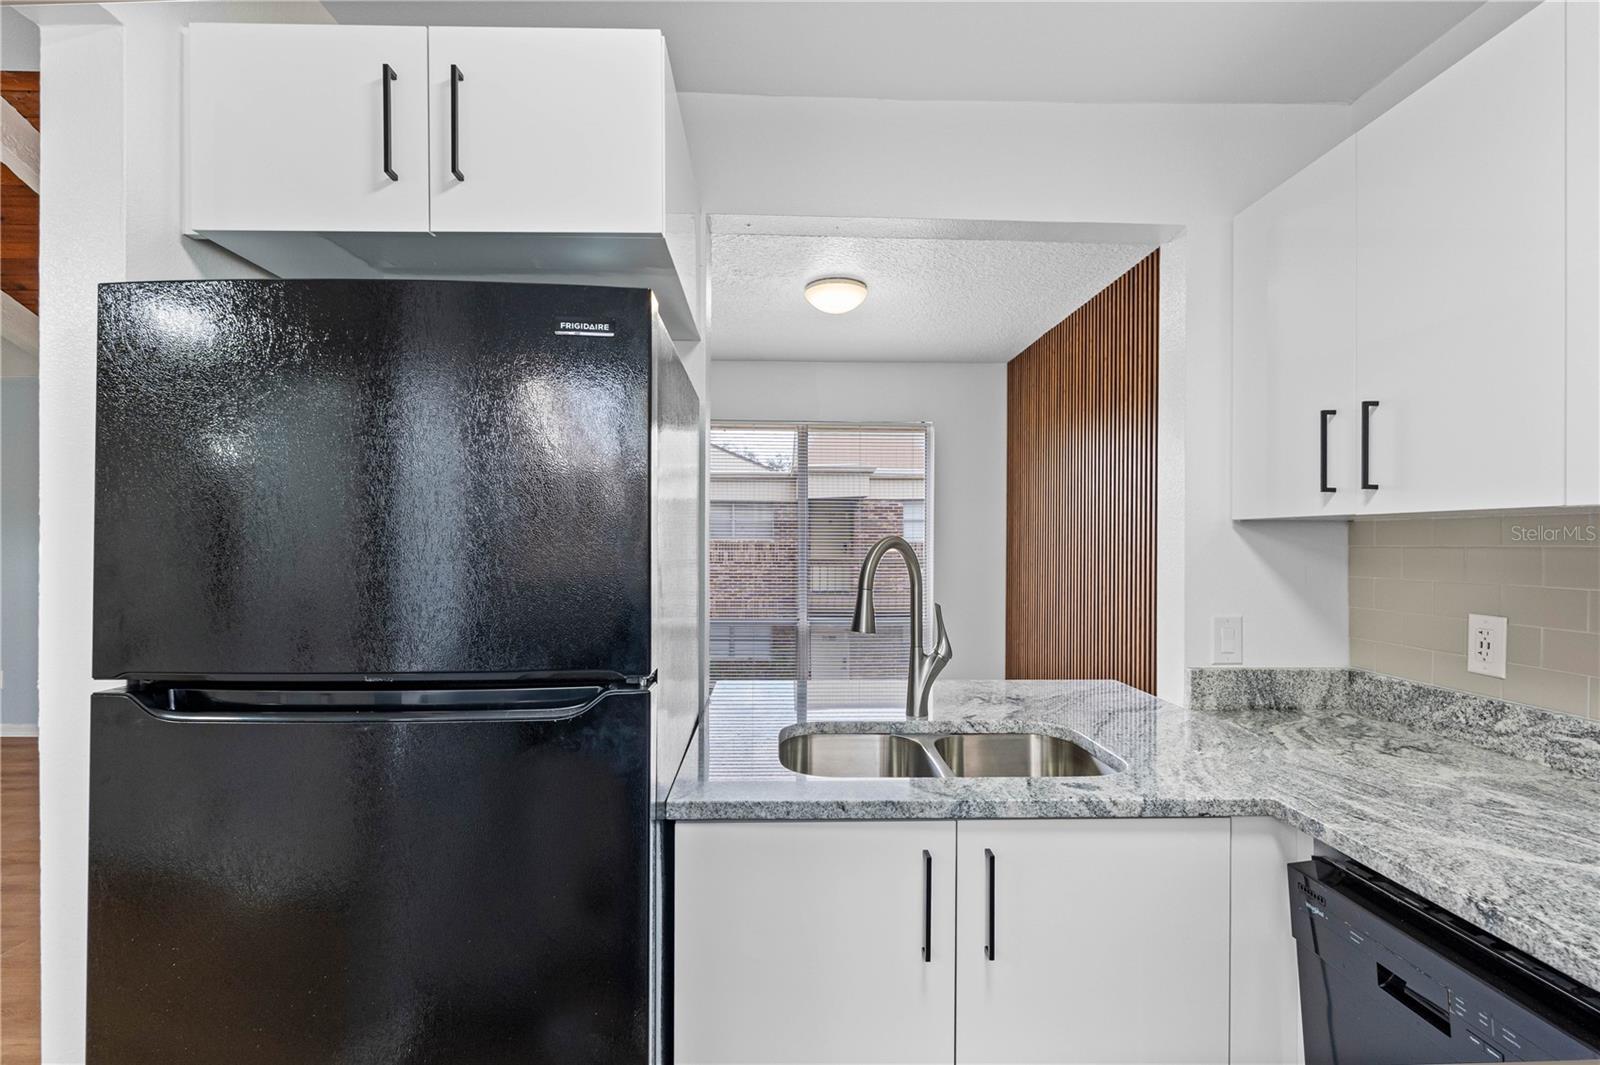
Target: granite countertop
point(1509, 844)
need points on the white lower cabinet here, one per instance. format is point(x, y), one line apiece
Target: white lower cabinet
point(803, 942)
point(1092, 941)
point(1109, 942)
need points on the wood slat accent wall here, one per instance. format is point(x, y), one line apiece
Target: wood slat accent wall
point(21, 90)
point(19, 204)
point(19, 240)
point(1081, 491)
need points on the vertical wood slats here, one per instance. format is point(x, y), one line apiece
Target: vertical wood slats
point(19, 204)
point(1081, 491)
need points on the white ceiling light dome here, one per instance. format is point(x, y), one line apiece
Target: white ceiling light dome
point(836, 295)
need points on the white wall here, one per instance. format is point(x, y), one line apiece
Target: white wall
point(19, 41)
point(19, 553)
point(966, 402)
point(1188, 165)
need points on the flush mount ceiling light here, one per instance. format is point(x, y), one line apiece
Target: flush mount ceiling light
point(836, 295)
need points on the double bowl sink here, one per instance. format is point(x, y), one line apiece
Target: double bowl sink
point(965, 754)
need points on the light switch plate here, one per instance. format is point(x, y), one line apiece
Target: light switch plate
point(1486, 645)
point(1227, 640)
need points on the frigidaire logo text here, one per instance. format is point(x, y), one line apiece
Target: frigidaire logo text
point(584, 329)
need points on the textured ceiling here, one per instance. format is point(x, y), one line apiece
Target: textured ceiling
point(937, 300)
point(1320, 51)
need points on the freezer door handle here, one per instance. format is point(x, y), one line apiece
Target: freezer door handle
point(413, 706)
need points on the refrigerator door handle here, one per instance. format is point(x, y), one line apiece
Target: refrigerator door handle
point(460, 705)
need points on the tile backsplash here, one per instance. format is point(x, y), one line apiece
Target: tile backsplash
point(1413, 581)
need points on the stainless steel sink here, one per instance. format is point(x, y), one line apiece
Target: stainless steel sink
point(1017, 754)
point(969, 754)
point(841, 754)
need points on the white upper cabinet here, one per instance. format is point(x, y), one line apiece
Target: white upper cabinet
point(1432, 280)
point(1583, 254)
point(306, 128)
point(548, 155)
point(1461, 278)
point(1076, 947)
point(1294, 338)
point(548, 130)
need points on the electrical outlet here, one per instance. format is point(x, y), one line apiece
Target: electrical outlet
point(1486, 645)
point(1227, 640)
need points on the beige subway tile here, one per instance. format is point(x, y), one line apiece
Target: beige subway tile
point(1450, 671)
point(1361, 593)
point(1434, 564)
point(1550, 608)
point(1375, 625)
point(1594, 611)
point(1375, 561)
point(1407, 532)
point(1572, 652)
point(1594, 698)
point(1409, 662)
point(1363, 654)
point(1567, 692)
point(1467, 532)
point(1435, 633)
point(1414, 597)
point(1456, 600)
point(1524, 644)
point(1572, 567)
point(1361, 534)
point(1505, 565)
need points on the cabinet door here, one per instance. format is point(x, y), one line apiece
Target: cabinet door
point(1108, 941)
point(804, 941)
point(285, 128)
point(1264, 990)
point(1294, 345)
point(548, 130)
point(1583, 254)
point(1460, 280)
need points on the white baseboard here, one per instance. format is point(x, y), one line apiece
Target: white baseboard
point(7, 731)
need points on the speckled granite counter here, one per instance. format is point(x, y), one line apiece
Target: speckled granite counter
point(1511, 845)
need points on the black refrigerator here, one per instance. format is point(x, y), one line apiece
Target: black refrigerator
point(404, 582)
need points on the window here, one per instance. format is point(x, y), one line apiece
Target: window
point(914, 521)
point(742, 521)
point(794, 509)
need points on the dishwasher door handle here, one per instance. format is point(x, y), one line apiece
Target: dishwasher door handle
point(1393, 985)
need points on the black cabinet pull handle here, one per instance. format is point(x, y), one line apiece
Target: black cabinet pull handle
point(388, 126)
point(988, 943)
point(1367, 407)
point(1326, 487)
point(455, 122)
point(927, 906)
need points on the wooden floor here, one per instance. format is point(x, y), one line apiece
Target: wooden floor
point(19, 901)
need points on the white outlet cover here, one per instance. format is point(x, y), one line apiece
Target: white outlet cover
point(1227, 640)
point(1486, 645)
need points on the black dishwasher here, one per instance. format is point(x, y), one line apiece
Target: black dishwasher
point(1387, 978)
